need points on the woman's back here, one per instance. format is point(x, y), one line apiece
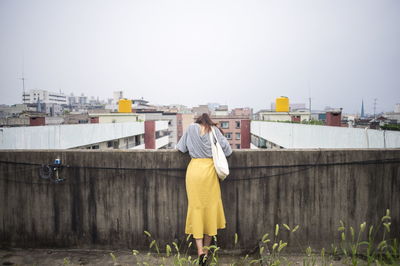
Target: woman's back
point(196, 140)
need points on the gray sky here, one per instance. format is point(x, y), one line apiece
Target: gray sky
point(240, 53)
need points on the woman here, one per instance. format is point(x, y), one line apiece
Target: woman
point(205, 212)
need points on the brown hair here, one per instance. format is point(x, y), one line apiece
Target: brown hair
point(206, 121)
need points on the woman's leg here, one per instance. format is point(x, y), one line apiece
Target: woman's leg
point(199, 244)
point(207, 241)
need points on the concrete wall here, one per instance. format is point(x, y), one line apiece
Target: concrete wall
point(98, 206)
point(300, 136)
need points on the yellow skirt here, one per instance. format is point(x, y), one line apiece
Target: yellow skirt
point(205, 212)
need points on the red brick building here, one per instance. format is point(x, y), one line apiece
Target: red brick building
point(236, 130)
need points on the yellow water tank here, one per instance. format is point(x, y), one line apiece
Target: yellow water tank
point(124, 106)
point(282, 104)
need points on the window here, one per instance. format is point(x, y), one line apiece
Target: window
point(237, 146)
point(116, 144)
point(224, 124)
point(109, 144)
point(137, 140)
point(237, 124)
point(237, 135)
point(228, 135)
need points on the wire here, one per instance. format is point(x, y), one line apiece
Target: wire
point(305, 167)
point(364, 162)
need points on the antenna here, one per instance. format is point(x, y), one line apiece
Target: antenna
point(309, 99)
point(23, 81)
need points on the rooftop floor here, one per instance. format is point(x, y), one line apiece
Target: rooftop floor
point(74, 257)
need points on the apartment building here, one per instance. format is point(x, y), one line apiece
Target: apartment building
point(171, 118)
point(44, 96)
point(183, 122)
point(236, 129)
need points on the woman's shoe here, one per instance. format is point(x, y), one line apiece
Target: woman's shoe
point(203, 259)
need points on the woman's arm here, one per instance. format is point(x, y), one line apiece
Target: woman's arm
point(181, 145)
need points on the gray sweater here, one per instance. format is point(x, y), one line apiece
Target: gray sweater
point(200, 146)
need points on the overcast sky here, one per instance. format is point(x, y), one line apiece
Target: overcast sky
point(240, 53)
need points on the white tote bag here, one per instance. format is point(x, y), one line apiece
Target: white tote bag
point(220, 162)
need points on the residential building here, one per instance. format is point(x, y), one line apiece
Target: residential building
point(236, 129)
point(244, 112)
point(296, 116)
point(183, 122)
point(171, 119)
point(76, 119)
point(395, 115)
point(222, 110)
point(113, 103)
point(14, 121)
point(292, 106)
point(44, 96)
point(115, 117)
point(199, 110)
point(13, 110)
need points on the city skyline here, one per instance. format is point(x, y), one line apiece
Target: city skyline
point(242, 54)
point(369, 111)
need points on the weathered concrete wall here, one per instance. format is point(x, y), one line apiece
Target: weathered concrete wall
point(106, 207)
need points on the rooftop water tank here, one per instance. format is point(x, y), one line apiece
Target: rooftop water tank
point(124, 106)
point(282, 104)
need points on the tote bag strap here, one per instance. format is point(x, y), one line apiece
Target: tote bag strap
point(215, 135)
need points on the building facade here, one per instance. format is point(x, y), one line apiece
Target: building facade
point(297, 116)
point(183, 122)
point(236, 130)
point(171, 119)
point(44, 96)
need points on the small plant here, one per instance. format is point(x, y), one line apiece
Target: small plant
point(66, 261)
point(310, 259)
point(375, 252)
point(153, 242)
point(386, 251)
point(114, 258)
point(273, 257)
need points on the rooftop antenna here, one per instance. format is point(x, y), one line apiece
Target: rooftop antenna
point(362, 109)
point(23, 81)
point(309, 99)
